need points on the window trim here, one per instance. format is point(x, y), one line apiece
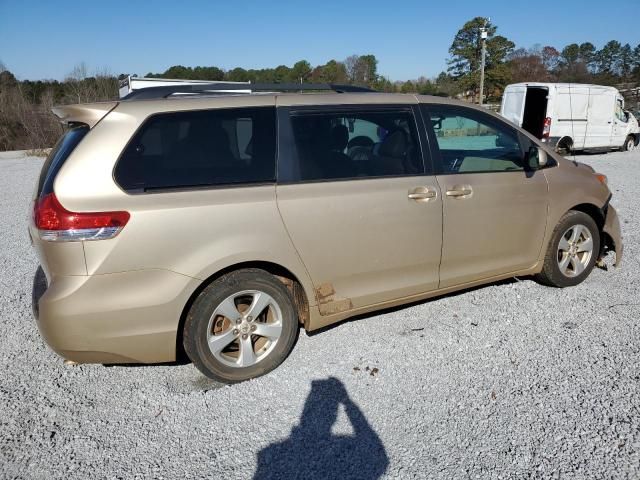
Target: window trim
point(189, 188)
point(426, 109)
point(287, 154)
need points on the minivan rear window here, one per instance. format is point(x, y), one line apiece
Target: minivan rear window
point(201, 148)
point(58, 155)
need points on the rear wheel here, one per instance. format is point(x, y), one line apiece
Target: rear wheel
point(241, 326)
point(565, 146)
point(629, 144)
point(572, 252)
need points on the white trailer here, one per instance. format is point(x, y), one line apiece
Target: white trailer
point(572, 116)
point(129, 84)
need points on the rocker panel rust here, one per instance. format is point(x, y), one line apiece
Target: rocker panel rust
point(328, 304)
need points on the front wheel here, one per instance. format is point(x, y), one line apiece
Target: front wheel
point(572, 251)
point(241, 326)
point(629, 144)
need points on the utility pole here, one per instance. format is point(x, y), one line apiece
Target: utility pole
point(483, 39)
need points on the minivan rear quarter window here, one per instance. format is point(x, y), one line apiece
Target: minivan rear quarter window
point(58, 155)
point(202, 148)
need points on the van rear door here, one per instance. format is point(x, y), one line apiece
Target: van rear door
point(513, 102)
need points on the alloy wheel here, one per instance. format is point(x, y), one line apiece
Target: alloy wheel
point(244, 328)
point(575, 250)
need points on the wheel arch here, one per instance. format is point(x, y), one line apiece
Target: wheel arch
point(300, 298)
point(593, 211)
point(599, 216)
point(566, 140)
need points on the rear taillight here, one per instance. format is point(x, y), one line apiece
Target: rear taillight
point(57, 224)
point(546, 127)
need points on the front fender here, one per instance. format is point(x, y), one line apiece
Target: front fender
point(612, 229)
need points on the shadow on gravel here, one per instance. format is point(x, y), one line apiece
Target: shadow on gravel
point(312, 451)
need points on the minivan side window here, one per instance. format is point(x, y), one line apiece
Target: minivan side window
point(471, 141)
point(200, 149)
point(330, 144)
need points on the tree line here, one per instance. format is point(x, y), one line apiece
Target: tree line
point(26, 121)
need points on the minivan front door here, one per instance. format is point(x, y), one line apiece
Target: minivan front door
point(362, 213)
point(494, 210)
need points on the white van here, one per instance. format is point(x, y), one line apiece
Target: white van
point(572, 116)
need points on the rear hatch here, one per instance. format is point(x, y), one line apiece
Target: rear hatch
point(61, 257)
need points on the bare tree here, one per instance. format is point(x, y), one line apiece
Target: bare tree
point(351, 64)
point(75, 84)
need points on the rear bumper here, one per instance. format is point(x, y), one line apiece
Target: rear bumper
point(612, 229)
point(129, 317)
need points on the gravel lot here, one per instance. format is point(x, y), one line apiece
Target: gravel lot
point(511, 380)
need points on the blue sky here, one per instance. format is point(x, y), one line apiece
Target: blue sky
point(45, 39)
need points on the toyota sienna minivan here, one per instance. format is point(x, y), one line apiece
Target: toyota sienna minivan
point(181, 220)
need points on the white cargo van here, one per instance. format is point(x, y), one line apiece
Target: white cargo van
point(572, 116)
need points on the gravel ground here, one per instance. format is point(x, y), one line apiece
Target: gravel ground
point(511, 380)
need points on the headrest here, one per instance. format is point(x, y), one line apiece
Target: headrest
point(339, 137)
point(394, 144)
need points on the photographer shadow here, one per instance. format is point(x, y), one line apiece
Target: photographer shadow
point(312, 451)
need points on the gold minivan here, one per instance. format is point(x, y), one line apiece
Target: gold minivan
point(180, 219)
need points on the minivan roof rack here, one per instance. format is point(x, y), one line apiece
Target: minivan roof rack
point(207, 88)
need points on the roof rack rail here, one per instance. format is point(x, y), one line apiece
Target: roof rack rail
point(208, 88)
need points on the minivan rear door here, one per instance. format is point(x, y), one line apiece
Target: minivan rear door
point(359, 201)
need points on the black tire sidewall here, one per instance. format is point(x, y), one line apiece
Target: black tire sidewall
point(195, 329)
point(553, 272)
point(625, 147)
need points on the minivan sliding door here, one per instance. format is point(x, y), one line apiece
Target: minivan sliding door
point(360, 202)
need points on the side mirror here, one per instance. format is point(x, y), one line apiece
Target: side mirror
point(536, 158)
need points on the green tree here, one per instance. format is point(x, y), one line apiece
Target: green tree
point(331, 72)
point(301, 71)
point(408, 87)
point(237, 75)
point(465, 51)
point(570, 55)
point(636, 63)
point(608, 57)
point(362, 69)
point(625, 61)
point(572, 66)
point(587, 55)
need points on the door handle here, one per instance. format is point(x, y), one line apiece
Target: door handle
point(422, 194)
point(460, 191)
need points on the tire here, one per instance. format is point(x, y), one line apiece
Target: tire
point(565, 146)
point(629, 144)
point(569, 265)
point(253, 346)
